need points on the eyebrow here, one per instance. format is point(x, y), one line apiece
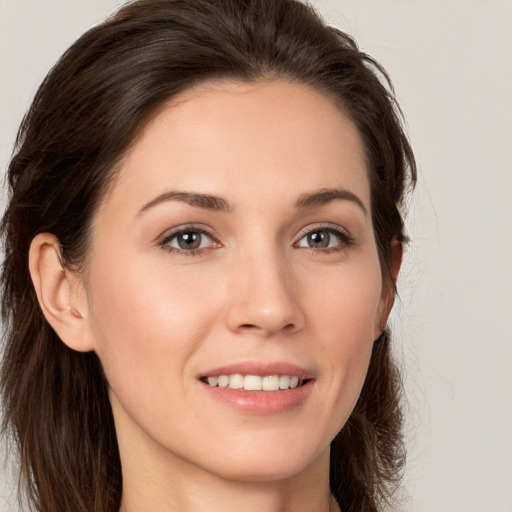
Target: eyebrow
point(216, 203)
point(207, 201)
point(326, 195)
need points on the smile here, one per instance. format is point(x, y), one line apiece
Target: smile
point(254, 382)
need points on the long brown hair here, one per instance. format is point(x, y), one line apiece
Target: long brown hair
point(85, 115)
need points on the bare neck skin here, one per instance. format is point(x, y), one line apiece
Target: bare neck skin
point(154, 484)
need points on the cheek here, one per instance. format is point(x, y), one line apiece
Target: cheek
point(347, 313)
point(348, 301)
point(146, 324)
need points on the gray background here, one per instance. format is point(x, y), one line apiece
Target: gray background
point(452, 68)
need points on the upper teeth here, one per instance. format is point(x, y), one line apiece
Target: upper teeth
point(254, 382)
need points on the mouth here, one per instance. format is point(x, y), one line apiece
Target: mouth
point(259, 388)
point(254, 382)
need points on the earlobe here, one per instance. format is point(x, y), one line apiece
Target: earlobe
point(59, 292)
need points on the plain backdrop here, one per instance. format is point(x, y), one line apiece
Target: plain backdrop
point(451, 65)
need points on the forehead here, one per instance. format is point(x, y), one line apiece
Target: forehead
point(268, 138)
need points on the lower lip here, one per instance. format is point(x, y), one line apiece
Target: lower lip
point(261, 402)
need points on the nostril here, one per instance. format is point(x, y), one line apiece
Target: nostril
point(254, 327)
point(261, 318)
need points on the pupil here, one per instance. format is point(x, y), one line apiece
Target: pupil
point(189, 240)
point(319, 239)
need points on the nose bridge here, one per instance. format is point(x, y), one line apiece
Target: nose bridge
point(263, 291)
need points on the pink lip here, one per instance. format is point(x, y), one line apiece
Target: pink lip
point(260, 368)
point(261, 402)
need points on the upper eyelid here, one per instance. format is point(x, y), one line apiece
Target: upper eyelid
point(172, 232)
point(201, 228)
point(164, 241)
point(324, 225)
point(345, 238)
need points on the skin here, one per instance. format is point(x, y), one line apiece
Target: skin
point(159, 316)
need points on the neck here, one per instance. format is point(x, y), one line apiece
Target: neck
point(160, 484)
point(246, 501)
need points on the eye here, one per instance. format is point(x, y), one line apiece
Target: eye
point(324, 238)
point(188, 240)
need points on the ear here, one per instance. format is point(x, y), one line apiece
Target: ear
point(60, 293)
point(389, 285)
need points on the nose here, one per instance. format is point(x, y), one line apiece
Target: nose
point(264, 297)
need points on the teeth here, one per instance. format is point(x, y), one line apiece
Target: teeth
point(223, 381)
point(254, 382)
point(284, 382)
point(213, 381)
point(236, 381)
point(270, 383)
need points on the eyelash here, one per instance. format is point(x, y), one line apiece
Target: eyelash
point(345, 238)
point(164, 243)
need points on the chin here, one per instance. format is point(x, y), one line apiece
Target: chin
point(267, 460)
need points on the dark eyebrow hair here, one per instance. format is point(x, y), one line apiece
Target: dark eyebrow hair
point(324, 196)
point(206, 201)
point(216, 203)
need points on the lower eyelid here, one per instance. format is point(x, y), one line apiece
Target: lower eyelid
point(344, 237)
point(165, 240)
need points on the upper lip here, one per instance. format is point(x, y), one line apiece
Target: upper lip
point(260, 368)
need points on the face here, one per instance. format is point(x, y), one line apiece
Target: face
point(233, 285)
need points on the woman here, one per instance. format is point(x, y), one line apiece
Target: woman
point(202, 244)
